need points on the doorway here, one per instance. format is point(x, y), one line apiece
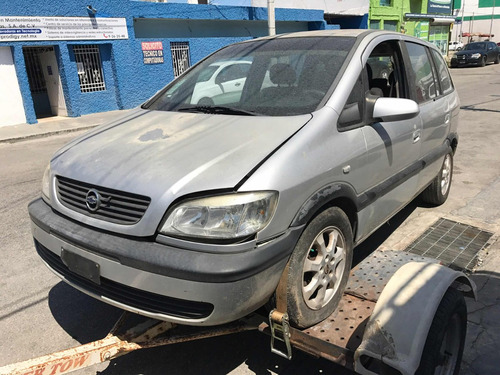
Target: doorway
point(44, 81)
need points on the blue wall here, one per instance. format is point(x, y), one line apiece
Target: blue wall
point(129, 81)
point(352, 22)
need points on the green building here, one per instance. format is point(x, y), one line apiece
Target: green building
point(429, 20)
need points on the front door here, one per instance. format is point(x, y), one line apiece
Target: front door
point(48, 63)
point(393, 148)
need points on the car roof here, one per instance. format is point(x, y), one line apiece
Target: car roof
point(330, 33)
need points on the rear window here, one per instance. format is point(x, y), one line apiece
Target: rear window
point(283, 76)
point(422, 72)
point(443, 73)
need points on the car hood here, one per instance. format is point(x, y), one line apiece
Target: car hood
point(470, 52)
point(166, 155)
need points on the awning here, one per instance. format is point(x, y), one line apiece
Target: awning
point(442, 21)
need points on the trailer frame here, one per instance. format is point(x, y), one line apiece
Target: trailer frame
point(342, 338)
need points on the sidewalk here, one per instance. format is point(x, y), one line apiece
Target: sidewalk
point(56, 125)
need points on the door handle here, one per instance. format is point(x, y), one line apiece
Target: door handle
point(237, 84)
point(416, 136)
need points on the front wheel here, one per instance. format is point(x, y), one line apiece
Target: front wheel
point(444, 345)
point(437, 192)
point(318, 268)
point(483, 61)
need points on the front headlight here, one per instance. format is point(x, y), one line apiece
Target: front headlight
point(46, 184)
point(476, 55)
point(222, 217)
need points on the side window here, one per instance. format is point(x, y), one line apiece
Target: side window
point(443, 73)
point(385, 71)
point(230, 73)
point(421, 72)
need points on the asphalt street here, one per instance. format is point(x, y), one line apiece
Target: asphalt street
point(39, 314)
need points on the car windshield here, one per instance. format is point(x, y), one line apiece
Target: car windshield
point(277, 77)
point(475, 46)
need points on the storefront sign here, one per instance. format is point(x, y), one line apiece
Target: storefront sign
point(14, 29)
point(439, 6)
point(152, 52)
point(424, 16)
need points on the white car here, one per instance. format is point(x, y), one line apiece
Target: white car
point(221, 83)
point(455, 46)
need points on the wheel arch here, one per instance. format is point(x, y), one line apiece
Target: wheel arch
point(332, 195)
point(396, 332)
point(452, 141)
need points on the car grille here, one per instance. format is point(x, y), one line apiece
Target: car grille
point(139, 299)
point(116, 206)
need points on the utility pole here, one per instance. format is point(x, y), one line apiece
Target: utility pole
point(492, 16)
point(463, 20)
point(271, 24)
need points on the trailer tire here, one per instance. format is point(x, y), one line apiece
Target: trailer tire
point(445, 341)
point(319, 268)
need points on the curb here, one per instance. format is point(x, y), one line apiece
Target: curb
point(46, 134)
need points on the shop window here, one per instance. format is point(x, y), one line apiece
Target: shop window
point(385, 3)
point(180, 57)
point(89, 66)
point(390, 25)
point(375, 24)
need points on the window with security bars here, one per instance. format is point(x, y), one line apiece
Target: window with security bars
point(180, 57)
point(34, 68)
point(88, 63)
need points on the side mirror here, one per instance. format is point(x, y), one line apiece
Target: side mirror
point(392, 109)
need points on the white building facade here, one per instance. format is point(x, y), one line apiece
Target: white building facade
point(477, 19)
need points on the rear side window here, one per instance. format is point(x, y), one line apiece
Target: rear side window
point(421, 73)
point(443, 73)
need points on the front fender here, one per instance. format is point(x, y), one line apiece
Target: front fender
point(397, 330)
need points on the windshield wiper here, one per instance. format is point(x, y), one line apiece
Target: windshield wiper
point(218, 110)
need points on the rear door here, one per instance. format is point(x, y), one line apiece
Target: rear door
point(430, 88)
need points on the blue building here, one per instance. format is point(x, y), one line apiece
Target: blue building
point(71, 58)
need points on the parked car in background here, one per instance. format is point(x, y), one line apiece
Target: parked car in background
point(194, 212)
point(455, 46)
point(220, 83)
point(477, 53)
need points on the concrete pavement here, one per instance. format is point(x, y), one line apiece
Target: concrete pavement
point(56, 125)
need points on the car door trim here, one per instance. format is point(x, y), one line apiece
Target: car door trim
point(337, 190)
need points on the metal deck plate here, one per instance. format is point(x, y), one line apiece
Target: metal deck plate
point(454, 244)
point(346, 325)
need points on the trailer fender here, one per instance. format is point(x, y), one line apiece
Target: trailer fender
point(396, 332)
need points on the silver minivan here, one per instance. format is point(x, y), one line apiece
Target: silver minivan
point(194, 211)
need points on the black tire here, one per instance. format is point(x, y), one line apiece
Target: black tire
point(483, 61)
point(313, 294)
point(206, 101)
point(437, 192)
point(497, 59)
point(444, 345)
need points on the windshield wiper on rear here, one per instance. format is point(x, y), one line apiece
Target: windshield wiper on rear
point(217, 110)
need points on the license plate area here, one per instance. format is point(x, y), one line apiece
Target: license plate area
point(81, 266)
